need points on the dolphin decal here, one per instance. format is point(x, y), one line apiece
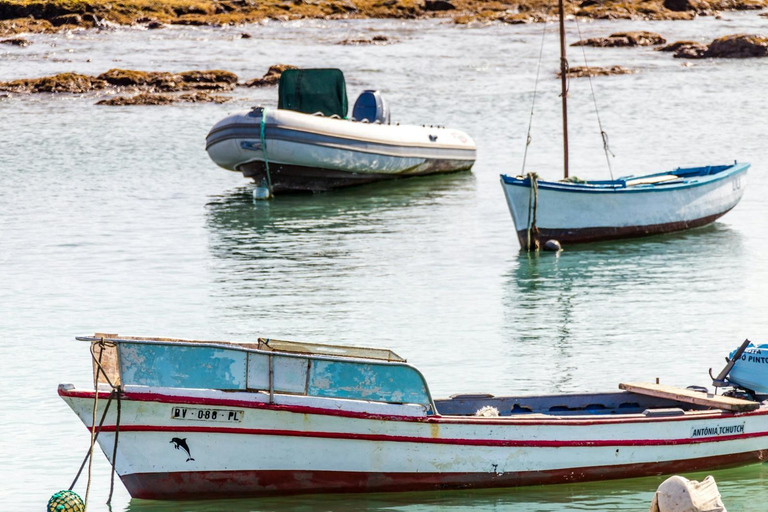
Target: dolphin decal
point(182, 443)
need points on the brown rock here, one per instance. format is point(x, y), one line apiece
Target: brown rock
point(271, 77)
point(162, 99)
point(164, 81)
point(583, 71)
point(212, 79)
point(691, 51)
point(438, 5)
point(623, 39)
point(17, 41)
point(67, 19)
point(375, 40)
point(154, 25)
point(517, 19)
point(63, 82)
point(673, 47)
point(195, 20)
point(738, 46)
point(682, 5)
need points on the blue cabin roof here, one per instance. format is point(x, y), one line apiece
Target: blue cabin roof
point(276, 366)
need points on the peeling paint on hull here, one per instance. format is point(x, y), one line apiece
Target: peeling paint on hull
point(245, 484)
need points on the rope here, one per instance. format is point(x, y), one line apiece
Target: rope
point(114, 451)
point(88, 453)
point(93, 420)
point(95, 431)
point(566, 68)
point(533, 204)
point(603, 134)
point(264, 146)
point(533, 102)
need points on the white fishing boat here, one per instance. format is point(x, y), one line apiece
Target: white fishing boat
point(202, 419)
point(308, 144)
point(578, 211)
point(628, 207)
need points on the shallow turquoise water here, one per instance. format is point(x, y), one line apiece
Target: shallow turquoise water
point(114, 219)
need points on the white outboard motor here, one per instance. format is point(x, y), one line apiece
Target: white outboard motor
point(370, 107)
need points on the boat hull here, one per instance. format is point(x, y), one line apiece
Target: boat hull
point(308, 445)
point(286, 178)
point(573, 213)
point(255, 483)
point(303, 152)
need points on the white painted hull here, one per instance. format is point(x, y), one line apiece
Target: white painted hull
point(575, 213)
point(307, 444)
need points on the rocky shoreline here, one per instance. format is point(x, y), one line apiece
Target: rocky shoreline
point(164, 88)
point(131, 87)
point(35, 16)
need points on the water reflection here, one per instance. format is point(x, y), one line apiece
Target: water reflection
point(317, 258)
point(601, 300)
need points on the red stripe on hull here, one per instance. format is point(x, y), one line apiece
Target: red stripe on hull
point(430, 440)
point(466, 420)
point(587, 235)
point(244, 484)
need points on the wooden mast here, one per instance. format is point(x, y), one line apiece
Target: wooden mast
point(564, 85)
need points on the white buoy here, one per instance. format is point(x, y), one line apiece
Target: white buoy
point(261, 192)
point(678, 494)
point(553, 246)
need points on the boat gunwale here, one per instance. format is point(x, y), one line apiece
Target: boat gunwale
point(570, 420)
point(619, 186)
point(414, 146)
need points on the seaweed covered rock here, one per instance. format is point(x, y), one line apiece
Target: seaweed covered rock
point(686, 49)
point(152, 81)
point(165, 81)
point(584, 71)
point(147, 98)
point(271, 77)
point(673, 47)
point(683, 5)
point(375, 40)
point(738, 46)
point(63, 82)
point(438, 5)
point(215, 79)
point(67, 19)
point(16, 41)
point(621, 39)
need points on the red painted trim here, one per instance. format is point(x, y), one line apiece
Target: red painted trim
point(460, 420)
point(429, 440)
point(188, 485)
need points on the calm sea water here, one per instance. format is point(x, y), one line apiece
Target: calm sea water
point(114, 219)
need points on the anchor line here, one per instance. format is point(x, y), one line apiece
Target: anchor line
point(533, 204)
point(264, 148)
point(95, 431)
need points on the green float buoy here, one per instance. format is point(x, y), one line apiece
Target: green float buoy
point(66, 501)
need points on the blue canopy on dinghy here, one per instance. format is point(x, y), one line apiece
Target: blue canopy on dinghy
point(313, 90)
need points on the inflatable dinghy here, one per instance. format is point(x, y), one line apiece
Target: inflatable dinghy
point(307, 144)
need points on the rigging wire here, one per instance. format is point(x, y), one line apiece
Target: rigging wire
point(603, 134)
point(533, 102)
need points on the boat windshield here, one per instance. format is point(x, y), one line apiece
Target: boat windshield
point(313, 90)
